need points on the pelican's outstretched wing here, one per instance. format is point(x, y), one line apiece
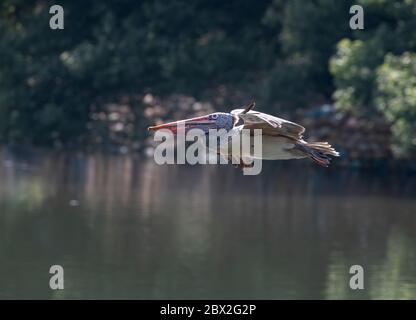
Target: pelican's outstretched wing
point(272, 126)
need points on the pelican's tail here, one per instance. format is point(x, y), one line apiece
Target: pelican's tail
point(319, 152)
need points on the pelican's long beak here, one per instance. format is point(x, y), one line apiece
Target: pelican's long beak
point(187, 124)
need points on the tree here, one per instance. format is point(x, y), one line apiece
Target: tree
point(396, 99)
point(52, 82)
point(353, 68)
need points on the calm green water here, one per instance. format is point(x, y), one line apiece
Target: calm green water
point(138, 230)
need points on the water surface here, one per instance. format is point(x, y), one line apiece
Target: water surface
point(124, 227)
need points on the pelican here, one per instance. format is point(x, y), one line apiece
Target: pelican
point(281, 139)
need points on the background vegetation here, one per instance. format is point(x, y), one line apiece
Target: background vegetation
point(119, 65)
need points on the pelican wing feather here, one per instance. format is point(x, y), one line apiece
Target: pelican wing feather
point(271, 125)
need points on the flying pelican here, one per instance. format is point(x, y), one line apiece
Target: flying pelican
point(281, 139)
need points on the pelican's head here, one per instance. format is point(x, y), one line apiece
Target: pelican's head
point(217, 120)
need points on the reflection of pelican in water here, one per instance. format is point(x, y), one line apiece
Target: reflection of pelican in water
point(281, 139)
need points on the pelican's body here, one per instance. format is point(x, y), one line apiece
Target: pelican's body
point(273, 147)
point(281, 139)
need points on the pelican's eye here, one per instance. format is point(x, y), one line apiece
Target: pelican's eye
point(213, 116)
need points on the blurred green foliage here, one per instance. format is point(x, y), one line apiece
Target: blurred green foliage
point(365, 69)
point(285, 54)
point(52, 80)
point(396, 99)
